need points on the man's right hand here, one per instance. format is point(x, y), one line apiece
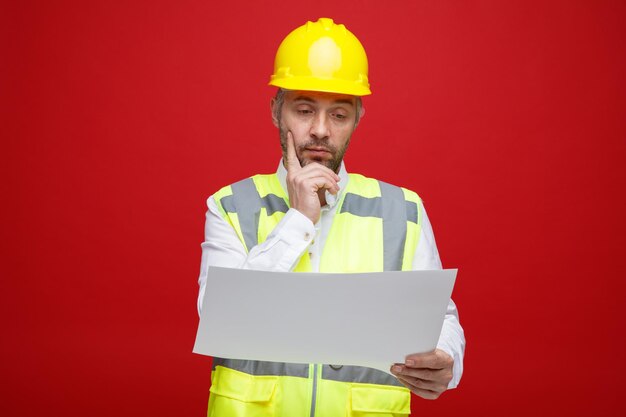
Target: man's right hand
point(303, 183)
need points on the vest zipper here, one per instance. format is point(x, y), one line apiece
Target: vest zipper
point(314, 368)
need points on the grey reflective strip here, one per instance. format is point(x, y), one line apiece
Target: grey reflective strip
point(394, 225)
point(274, 203)
point(360, 375)
point(344, 374)
point(314, 396)
point(228, 203)
point(362, 206)
point(372, 207)
point(247, 203)
point(411, 211)
point(271, 202)
point(264, 368)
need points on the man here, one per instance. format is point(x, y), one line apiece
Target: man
point(311, 215)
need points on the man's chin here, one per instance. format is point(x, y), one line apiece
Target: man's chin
point(328, 163)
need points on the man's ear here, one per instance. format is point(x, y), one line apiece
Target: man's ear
point(274, 112)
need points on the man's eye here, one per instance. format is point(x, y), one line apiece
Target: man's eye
point(304, 111)
point(339, 116)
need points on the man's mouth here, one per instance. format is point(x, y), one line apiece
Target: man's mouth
point(317, 149)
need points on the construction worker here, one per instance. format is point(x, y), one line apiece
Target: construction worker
point(311, 215)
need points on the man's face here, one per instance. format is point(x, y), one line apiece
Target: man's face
point(321, 125)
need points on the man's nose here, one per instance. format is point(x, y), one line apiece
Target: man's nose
point(320, 128)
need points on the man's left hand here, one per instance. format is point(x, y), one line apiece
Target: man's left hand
point(425, 374)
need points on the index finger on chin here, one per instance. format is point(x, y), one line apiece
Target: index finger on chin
point(292, 159)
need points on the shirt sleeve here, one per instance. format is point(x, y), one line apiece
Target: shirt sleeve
point(452, 338)
point(281, 251)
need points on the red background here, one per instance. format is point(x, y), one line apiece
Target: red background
point(121, 118)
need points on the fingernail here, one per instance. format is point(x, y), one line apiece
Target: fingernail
point(396, 368)
point(410, 362)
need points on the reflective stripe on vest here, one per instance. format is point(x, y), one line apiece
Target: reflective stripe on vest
point(247, 203)
point(333, 373)
point(394, 212)
point(264, 368)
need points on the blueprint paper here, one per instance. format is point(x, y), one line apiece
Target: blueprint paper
point(363, 319)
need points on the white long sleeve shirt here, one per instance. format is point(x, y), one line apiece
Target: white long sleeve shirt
point(294, 235)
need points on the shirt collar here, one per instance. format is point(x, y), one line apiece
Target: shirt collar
point(331, 200)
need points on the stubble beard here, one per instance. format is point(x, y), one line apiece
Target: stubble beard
point(337, 153)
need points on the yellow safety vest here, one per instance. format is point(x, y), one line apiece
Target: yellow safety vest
point(376, 228)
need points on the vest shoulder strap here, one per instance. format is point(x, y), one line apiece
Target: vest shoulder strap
point(244, 201)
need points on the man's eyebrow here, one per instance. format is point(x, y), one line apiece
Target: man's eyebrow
point(344, 101)
point(304, 98)
point(338, 101)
